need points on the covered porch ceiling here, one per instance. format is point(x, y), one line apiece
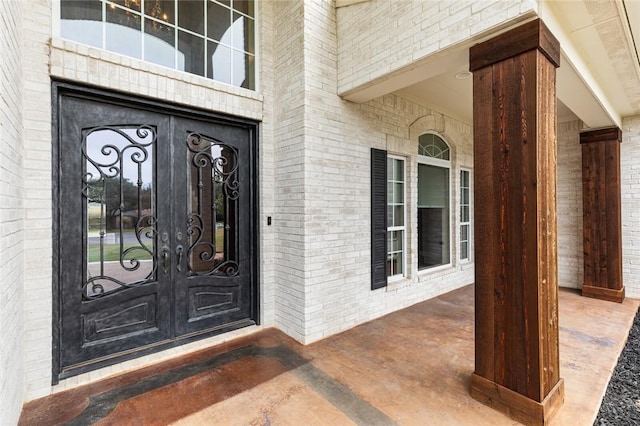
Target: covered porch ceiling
point(598, 80)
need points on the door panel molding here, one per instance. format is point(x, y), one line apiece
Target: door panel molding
point(107, 317)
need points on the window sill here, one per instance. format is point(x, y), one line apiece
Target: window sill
point(440, 268)
point(435, 272)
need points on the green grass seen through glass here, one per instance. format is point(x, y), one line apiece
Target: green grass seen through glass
point(112, 252)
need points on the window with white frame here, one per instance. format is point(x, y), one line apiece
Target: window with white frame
point(465, 214)
point(210, 38)
point(395, 217)
point(434, 234)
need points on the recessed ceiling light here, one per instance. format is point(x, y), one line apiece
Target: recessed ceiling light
point(463, 74)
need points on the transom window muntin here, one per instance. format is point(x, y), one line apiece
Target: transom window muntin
point(396, 259)
point(434, 202)
point(210, 38)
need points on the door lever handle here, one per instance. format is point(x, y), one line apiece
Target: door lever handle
point(179, 250)
point(165, 260)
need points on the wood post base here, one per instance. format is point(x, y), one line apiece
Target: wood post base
point(610, 294)
point(515, 405)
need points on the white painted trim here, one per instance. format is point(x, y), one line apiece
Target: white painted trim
point(55, 18)
point(470, 241)
point(402, 228)
point(629, 12)
point(453, 204)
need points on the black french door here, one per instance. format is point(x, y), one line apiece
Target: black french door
point(155, 238)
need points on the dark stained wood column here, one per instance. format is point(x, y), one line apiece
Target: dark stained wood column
point(602, 218)
point(514, 124)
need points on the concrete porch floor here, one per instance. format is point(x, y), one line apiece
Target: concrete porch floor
point(411, 367)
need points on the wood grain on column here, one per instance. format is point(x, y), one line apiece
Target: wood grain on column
point(517, 357)
point(602, 223)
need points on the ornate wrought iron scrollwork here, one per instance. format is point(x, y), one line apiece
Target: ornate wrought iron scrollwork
point(213, 170)
point(110, 153)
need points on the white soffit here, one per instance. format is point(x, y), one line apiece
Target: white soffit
point(599, 76)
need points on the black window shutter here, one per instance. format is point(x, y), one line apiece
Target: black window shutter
point(378, 218)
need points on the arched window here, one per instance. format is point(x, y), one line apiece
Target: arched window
point(434, 209)
point(430, 145)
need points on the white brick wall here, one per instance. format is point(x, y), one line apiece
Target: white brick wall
point(569, 186)
point(12, 296)
point(289, 168)
point(37, 195)
point(335, 225)
point(413, 30)
point(630, 168)
point(266, 169)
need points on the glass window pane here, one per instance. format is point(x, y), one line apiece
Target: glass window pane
point(243, 72)
point(163, 10)
point(129, 4)
point(464, 250)
point(218, 22)
point(219, 67)
point(242, 31)
point(433, 216)
point(395, 264)
point(191, 15)
point(399, 263)
point(465, 178)
point(433, 186)
point(465, 196)
point(81, 21)
point(398, 193)
point(395, 255)
point(124, 33)
point(399, 171)
point(212, 207)
point(244, 6)
point(395, 241)
point(191, 53)
point(159, 43)
point(120, 208)
point(398, 216)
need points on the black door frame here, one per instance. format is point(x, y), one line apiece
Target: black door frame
point(59, 89)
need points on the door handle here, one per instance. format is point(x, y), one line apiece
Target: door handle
point(179, 250)
point(165, 259)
